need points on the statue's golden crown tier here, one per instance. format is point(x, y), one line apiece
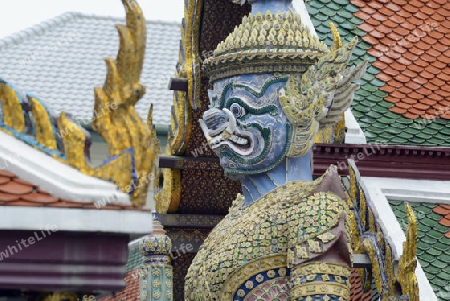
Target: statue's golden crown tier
point(273, 42)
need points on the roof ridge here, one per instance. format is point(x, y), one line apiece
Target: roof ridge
point(122, 19)
point(37, 29)
point(40, 28)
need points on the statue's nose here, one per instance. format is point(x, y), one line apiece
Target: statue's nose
point(214, 118)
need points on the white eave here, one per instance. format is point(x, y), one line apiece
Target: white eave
point(56, 178)
point(134, 222)
point(300, 8)
point(354, 133)
point(65, 182)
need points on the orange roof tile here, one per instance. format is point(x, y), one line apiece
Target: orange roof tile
point(410, 115)
point(415, 54)
point(421, 106)
point(380, 65)
point(373, 22)
point(405, 90)
point(444, 210)
point(17, 192)
point(408, 100)
point(398, 110)
point(356, 292)
point(130, 292)
point(409, 73)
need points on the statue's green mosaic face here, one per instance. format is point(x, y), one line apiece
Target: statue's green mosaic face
point(245, 125)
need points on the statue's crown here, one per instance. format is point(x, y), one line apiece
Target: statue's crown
point(273, 42)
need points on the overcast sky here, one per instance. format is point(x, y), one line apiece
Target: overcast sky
point(16, 15)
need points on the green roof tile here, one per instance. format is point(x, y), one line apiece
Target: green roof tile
point(434, 141)
point(359, 52)
point(346, 25)
point(400, 119)
point(384, 104)
point(316, 4)
point(328, 12)
point(444, 276)
point(339, 20)
point(398, 140)
point(433, 246)
point(377, 82)
point(346, 14)
point(373, 114)
point(349, 7)
point(314, 10)
point(437, 263)
point(423, 135)
point(333, 6)
point(429, 131)
point(445, 130)
point(369, 88)
point(358, 32)
point(442, 247)
point(381, 94)
point(363, 45)
point(434, 252)
point(372, 70)
point(405, 135)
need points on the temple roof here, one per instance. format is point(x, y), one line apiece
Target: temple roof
point(408, 77)
point(17, 192)
point(61, 61)
point(432, 245)
point(36, 190)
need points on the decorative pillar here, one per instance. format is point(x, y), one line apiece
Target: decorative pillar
point(156, 275)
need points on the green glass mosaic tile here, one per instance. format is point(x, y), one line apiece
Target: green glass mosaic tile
point(135, 259)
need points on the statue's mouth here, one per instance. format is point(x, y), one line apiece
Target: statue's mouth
point(229, 135)
point(237, 142)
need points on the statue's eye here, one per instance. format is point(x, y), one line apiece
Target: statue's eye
point(237, 110)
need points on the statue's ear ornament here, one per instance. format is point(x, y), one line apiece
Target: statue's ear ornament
point(320, 97)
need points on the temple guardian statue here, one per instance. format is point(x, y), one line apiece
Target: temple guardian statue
point(275, 87)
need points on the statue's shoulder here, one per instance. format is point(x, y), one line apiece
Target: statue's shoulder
point(318, 220)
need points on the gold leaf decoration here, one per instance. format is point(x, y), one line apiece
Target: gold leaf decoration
point(133, 145)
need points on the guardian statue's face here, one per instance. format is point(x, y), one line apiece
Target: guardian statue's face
point(245, 125)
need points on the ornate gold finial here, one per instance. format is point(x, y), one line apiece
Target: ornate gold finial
point(337, 43)
point(408, 261)
point(12, 108)
point(368, 237)
point(122, 128)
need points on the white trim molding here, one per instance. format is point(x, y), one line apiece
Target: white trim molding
point(354, 133)
point(379, 190)
point(426, 191)
point(56, 178)
point(133, 222)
